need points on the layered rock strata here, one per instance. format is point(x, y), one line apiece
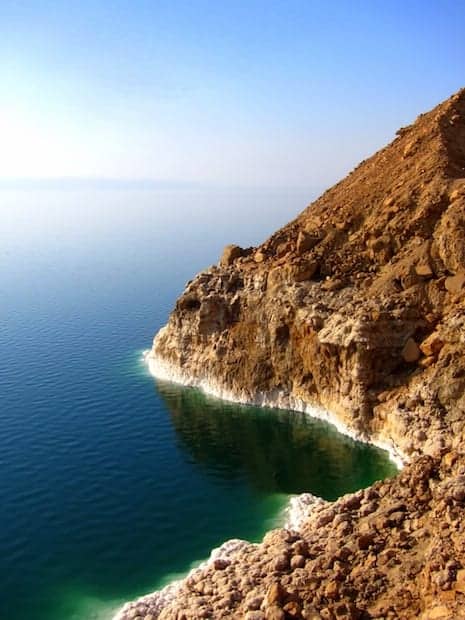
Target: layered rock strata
point(357, 306)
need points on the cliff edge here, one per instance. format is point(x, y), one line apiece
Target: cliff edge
point(358, 307)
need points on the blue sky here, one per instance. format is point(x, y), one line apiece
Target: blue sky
point(291, 93)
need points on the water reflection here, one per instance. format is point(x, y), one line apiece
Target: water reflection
point(276, 451)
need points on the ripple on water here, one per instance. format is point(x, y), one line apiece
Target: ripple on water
point(110, 482)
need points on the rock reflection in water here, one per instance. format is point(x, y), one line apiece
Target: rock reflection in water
point(275, 451)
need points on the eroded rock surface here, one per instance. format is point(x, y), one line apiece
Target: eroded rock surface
point(358, 306)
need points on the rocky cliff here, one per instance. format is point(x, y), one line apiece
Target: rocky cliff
point(357, 306)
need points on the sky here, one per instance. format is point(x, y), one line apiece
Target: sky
point(242, 93)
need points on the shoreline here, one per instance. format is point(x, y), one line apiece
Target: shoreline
point(166, 594)
point(165, 371)
point(299, 507)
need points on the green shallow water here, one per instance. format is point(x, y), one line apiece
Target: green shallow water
point(276, 451)
point(111, 482)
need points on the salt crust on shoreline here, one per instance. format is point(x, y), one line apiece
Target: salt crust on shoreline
point(162, 597)
point(297, 510)
point(163, 370)
point(299, 507)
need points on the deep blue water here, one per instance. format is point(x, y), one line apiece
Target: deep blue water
point(111, 482)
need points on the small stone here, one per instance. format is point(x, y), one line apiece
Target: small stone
point(305, 271)
point(275, 594)
point(426, 362)
point(365, 541)
point(326, 517)
point(221, 564)
point(254, 602)
point(297, 561)
point(293, 609)
point(275, 613)
point(431, 345)
point(454, 284)
point(457, 193)
point(458, 493)
point(255, 615)
point(438, 613)
point(411, 352)
point(281, 563)
point(352, 502)
point(460, 584)
point(332, 589)
point(410, 148)
point(424, 270)
point(300, 548)
point(333, 284)
point(396, 518)
point(420, 435)
point(341, 610)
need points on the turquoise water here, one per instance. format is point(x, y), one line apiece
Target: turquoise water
point(112, 482)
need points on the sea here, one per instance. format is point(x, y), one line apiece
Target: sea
point(113, 483)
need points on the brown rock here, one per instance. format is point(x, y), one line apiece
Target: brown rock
point(281, 563)
point(439, 612)
point(275, 613)
point(292, 609)
point(457, 193)
point(424, 270)
point(275, 594)
point(297, 561)
point(332, 284)
point(332, 589)
point(255, 615)
point(454, 284)
point(432, 345)
point(254, 601)
point(221, 563)
point(304, 271)
point(230, 253)
point(366, 540)
point(305, 242)
point(411, 352)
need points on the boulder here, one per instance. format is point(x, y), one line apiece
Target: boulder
point(230, 253)
point(304, 271)
point(305, 242)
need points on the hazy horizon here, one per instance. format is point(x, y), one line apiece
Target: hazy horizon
point(251, 94)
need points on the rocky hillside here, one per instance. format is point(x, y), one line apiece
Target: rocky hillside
point(357, 306)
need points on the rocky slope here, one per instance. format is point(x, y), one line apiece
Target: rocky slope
point(356, 306)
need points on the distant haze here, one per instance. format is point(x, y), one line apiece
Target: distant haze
point(289, 94)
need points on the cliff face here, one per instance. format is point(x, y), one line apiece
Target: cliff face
point(358, 306)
